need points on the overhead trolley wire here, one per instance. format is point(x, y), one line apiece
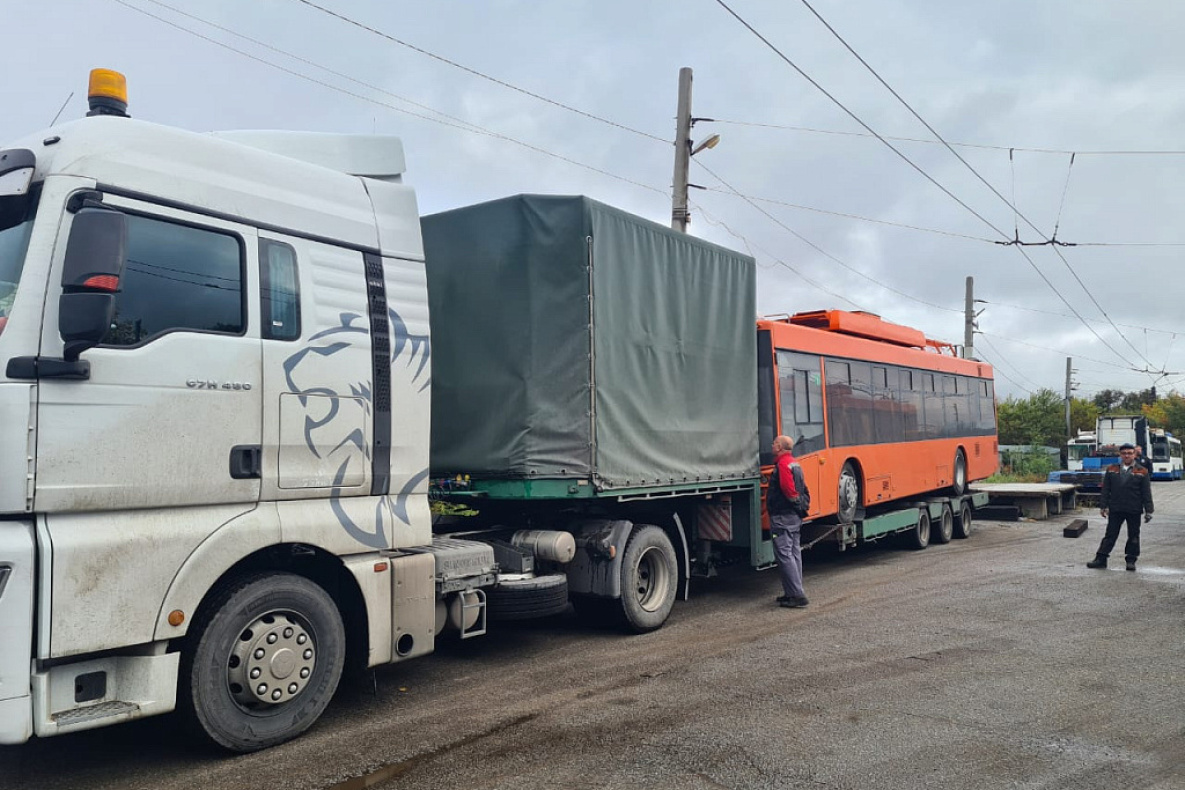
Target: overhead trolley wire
point(1063, 315)
point(750, 246)
point(1063, 352)
point(855, 117)
point(601, 119)
point(457, 123)
point(996, 367)
point(463, 125)
point(927, 176)
point(853, 216)
point(1065, 189)
point(1022, 149)
point(819, 249)
point(1052, 240)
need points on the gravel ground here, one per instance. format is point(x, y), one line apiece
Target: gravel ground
point(995, 662)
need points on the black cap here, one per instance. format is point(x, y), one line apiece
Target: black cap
point(1126, 446)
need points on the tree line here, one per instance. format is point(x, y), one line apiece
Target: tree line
point(1040, 419)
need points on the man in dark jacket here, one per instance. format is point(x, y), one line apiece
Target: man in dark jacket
point(783, 503)
point(1127, 492)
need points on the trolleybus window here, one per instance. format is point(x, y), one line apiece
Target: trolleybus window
point(801, 384)
point(883, 404)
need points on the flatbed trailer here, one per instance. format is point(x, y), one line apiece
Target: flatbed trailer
point(926, 520)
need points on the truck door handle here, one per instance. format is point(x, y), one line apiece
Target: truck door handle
point(246, 461)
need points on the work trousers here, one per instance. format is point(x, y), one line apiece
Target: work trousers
point(1114, 522)
point(786, 529)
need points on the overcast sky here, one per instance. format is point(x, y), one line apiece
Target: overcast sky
point(1081, 77)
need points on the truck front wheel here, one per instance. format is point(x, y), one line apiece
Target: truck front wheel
point(265, 660)
point(649, 578)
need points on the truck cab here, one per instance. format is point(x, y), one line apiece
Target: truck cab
point(215, 387)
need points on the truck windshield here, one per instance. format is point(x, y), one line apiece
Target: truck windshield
point(14, 240)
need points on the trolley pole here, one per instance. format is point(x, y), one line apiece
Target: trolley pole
point(969, 321)
point(679, 213)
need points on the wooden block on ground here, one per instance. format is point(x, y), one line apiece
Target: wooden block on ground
point(1075, 528)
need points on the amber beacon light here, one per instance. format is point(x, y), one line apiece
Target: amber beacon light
point(107, 93)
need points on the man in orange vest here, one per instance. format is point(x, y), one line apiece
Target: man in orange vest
point(784, 502)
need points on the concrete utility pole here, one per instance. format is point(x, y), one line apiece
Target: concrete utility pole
point(1069, 395)
point(679, 213)
point(969, 321)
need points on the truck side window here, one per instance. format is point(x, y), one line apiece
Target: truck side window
point(279, 291)
point(177, 277)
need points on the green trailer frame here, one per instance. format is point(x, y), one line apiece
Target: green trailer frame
point(901, 517)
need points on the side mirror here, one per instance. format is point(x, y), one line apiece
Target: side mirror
point(95, 255)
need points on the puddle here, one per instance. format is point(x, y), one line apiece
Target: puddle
point(1152, 570)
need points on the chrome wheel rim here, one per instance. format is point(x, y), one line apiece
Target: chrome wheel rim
point(272, 660)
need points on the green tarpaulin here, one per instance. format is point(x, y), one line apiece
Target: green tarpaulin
point(572, 340)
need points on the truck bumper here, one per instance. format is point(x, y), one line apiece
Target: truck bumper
point(102, 691)
point(16, 720)
point(17, 555)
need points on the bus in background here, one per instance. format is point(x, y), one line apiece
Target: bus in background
point(1081, 446)
point(1166, 456)
point(878, 412)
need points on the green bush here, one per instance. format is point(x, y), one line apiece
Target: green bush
point(1025, 466)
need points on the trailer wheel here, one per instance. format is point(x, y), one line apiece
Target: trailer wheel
point(959, 486)
point(265, 660)
point(963, 522)
point(848, 499)
point(919, 536)
point(649, 578)
point(946, 526)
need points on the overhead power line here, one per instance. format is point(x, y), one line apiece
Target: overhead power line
point(925, 141)
point(455, 122)
point(750, 246)
point(452, 122)
point(819, 249)
point(479, 74)
point(1062, 352)
point(1063, 315)
point(773, 202)
point(986, 183)
point(856, 118)
point(928, 177)
point(998, 369)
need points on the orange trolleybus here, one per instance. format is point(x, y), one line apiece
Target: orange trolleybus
point(878, 414)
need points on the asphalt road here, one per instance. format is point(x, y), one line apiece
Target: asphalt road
point(995, 662)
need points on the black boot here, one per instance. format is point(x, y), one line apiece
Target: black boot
point(1098, 562)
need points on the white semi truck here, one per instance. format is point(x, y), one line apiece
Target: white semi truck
point(215, 372)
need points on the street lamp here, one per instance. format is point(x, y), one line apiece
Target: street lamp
point(710, 142)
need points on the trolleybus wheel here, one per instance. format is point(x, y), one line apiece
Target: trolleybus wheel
point(959, 486)
point(849, 494)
